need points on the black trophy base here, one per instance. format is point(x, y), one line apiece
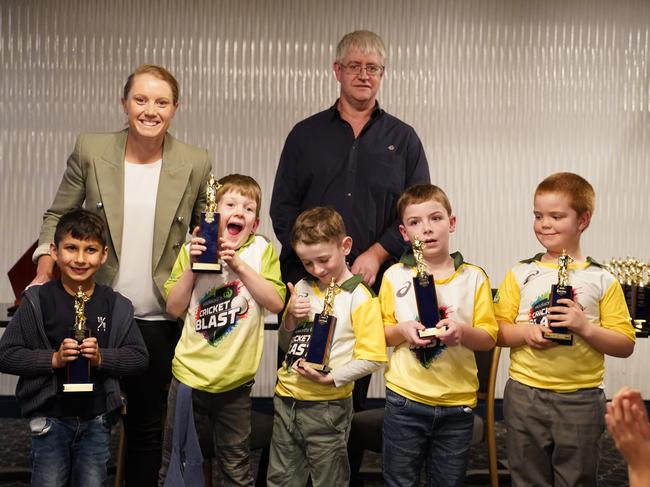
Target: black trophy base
point(78, 376)
point(559, 337)
point(208, 261)
point(432, 332)
point(207, 267)
point(426, 300)
point(318, 353)
point(558, 334)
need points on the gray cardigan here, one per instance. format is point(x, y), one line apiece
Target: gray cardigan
point(26, 351)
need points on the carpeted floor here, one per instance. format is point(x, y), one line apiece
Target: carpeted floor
point(14, 460)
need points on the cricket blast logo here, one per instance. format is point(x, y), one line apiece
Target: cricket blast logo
point(219, 311)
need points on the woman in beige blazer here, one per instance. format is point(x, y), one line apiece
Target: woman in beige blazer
point(150, 189)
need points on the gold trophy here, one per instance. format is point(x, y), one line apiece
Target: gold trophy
point(425, 294)
point(208, 261)
point(631, 274)
point(561, 290)
point(78, 371)
point(320, 343)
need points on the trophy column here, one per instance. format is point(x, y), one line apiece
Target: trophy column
point(320, 343)
point(425, 295)
point(561, 290)
point(78, 371)
point(208, 261)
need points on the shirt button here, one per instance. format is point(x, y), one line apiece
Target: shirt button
point(179, 219)
point(348, 195)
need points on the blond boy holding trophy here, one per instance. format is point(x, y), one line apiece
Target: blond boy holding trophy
point(332, 335)
point(560, 312)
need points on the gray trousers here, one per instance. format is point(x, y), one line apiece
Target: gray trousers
point(553, 439)
point(223, 423)
point(310, 438)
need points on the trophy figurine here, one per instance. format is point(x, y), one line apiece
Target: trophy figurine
point(208, 261)
point(561, 290)
point(318, 353)
point(425, 295)
point(641, 314)
point(78, 371)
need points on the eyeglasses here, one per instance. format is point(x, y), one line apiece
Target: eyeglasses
point(356, 68)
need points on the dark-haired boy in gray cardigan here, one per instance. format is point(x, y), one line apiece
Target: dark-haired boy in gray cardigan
point(71, 430)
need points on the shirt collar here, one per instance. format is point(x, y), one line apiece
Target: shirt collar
point(348, 285)
point(335, 115)
point(247, 243)
point(408, 259)
point(538, 258)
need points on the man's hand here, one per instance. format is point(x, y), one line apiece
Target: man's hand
point(368, 263)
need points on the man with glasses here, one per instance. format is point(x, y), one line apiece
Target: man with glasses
point(354, 157)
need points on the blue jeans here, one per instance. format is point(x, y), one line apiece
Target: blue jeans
point(70, 451)
point(415, 433)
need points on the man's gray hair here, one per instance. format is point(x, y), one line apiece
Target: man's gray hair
point(364, 40)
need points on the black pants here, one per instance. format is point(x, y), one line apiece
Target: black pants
point(146, 403)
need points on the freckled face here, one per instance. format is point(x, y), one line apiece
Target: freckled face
point(238, 217)
point(557, 225)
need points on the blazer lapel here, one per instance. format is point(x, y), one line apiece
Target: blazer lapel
point(109, 170)
point(174, 176)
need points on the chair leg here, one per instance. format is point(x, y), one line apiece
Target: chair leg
point(263, 468)
point(491, 441)
point(207, 472)
point(121, 456)
point(490, 433)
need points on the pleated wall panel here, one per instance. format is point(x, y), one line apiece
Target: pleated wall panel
point(502, 93)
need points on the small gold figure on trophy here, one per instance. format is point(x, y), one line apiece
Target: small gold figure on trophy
point(328, 306)
point(561, 290)
point(78, 377)
point(426, 298)
point(80, 300)
point(420, 265)
point(208, 261)
point(563, 261)
point(211, 198)
point(320, 343)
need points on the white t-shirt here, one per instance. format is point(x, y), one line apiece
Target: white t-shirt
point(134, 278)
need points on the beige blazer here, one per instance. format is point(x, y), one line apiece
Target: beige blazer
point(95, 175)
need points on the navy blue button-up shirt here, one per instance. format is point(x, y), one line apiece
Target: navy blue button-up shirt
point(323, 164)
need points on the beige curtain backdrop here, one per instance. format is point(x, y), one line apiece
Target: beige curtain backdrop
point(501, 92)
